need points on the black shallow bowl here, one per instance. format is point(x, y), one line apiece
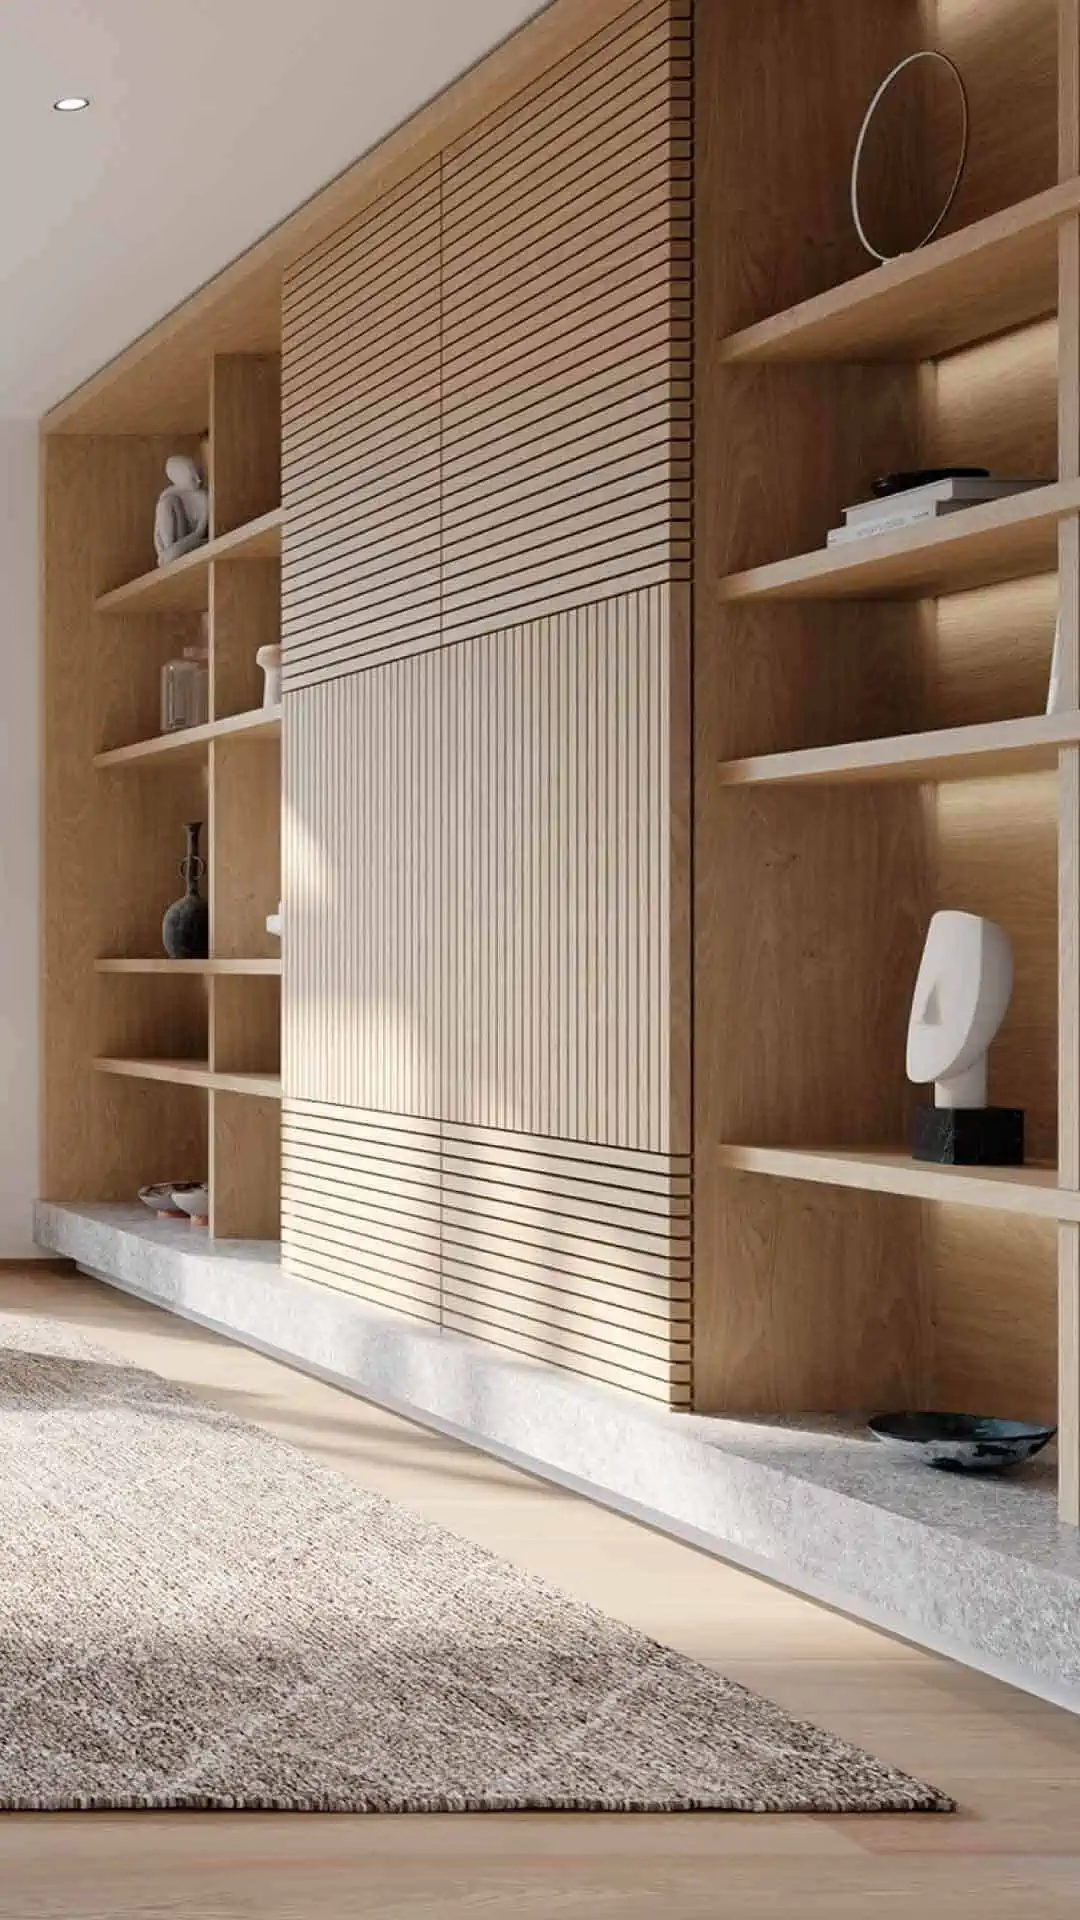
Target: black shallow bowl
point(961, 1442)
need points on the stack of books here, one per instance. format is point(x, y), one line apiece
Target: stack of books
point(914, 505)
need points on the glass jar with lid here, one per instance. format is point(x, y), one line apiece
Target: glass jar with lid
point(185, 690)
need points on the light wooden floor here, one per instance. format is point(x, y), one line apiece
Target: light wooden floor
point(1013, 1763)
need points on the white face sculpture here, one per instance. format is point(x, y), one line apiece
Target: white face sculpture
point(961, 998)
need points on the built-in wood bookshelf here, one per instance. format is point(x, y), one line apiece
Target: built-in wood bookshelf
point(871, 740)
point(164, 1069)
point(185, 583)
point(865, 739)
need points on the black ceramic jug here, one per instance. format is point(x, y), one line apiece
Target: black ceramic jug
point(185, 930)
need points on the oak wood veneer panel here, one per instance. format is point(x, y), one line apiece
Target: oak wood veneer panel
point(245, 438)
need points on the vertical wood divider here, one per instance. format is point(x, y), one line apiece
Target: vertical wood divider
point(1069, 827)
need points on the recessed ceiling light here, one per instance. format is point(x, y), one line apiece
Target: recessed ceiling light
point(71, 103)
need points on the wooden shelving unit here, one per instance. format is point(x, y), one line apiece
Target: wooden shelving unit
point(1006, 540)
point(184, 585)
point(871, 741)
point(992, 276)
point(1034, 1191)
point(262, 723)
point(195, 1073)
point(252, 968)
point(845, 740)
point(160, 1069)
point(995, 748)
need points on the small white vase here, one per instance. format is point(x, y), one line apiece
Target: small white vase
point(269, 659)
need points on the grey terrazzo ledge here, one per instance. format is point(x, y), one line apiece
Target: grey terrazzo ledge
point(979, 1569)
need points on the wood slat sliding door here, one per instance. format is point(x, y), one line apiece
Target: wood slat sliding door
point(567, 334)
point(362, 439)
point(486, 606)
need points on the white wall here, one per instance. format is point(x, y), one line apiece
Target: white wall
point(19, 838)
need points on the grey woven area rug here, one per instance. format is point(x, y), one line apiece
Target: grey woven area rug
point(194, 1614)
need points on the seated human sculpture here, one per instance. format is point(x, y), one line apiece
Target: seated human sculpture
point(182, 517)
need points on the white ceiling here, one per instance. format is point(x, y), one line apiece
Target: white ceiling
point(210, 121)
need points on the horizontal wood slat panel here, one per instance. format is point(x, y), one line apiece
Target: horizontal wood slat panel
point(672, 1389)
point(610, 49)
point(663, 1287)
point(397, 1252)
point(582, 338)
point(474, 613)
point(370, 1281)
point(381, 1241)
point(403, 438)
point(669, 1199)
point(361, 394)
point(442, 1222)
point(621, 1304)
point(584, 170)
point(634, 207)
point(556, 447)
point(563, 1331)
point(353, 297)
point(357, 414)
point(546, 312)
point(486, 338)
point(369, 238)
point(625, 1164)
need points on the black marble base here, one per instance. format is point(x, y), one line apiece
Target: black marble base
point(969, 1136)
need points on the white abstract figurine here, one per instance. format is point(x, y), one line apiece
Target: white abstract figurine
point(269, 659)
point(1056, 702)
point(961, 997)
point(182, 518)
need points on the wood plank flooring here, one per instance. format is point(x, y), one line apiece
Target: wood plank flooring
point(1012, 1762)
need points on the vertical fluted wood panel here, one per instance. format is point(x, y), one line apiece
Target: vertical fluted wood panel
point(362, 883)
point(554, 952)
point(478, 876)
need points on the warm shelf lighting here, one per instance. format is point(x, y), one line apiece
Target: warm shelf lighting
point(71, 103)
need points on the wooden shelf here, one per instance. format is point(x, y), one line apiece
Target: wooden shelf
point(192, 742)
point(184, 585)
point(209, 967)
point(195, 1073)
point(999, 273)
point(1026, 1190)
point(1003, 540)
point(954, 753)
